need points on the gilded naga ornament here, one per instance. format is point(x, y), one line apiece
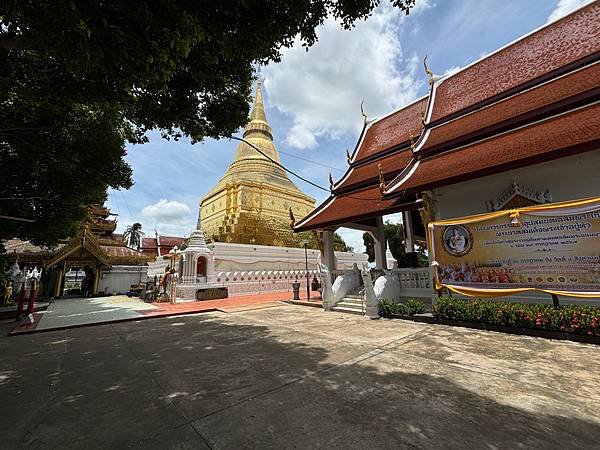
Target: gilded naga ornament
point(381, 179)
point(428, 71)
point(427, 212)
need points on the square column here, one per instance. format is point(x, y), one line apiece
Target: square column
point(328, 254)
point(409, 234)
point(409, 239)
point(379, 244)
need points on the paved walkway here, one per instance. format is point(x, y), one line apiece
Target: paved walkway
point(295, 377)
point(77, 312)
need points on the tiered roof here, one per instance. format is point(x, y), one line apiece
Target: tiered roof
point(531, 101)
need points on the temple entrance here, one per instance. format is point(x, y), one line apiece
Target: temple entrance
point(201, 267)
point(77, 267)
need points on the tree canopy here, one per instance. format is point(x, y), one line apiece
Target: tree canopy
point(79, 79)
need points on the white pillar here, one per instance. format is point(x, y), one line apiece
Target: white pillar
point(379, 244)
point(328, 255)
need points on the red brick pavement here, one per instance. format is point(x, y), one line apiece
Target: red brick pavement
point(225, 304)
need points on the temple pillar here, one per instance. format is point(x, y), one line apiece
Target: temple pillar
point(328, 252)
point(409, 239)
point(409, 235)
point(379, 244)
point(96, 281)
point(58, 284)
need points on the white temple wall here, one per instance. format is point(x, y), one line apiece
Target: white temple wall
point(569, 178)
point(248, 257)
point(118, 279)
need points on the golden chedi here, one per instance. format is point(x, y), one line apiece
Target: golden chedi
point(250, 203)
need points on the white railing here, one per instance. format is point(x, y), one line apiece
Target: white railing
point(251, 282)
point(414, 282)
point(418, 278)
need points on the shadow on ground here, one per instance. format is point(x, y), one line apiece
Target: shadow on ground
point(220, 381)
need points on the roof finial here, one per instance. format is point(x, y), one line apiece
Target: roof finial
point(381, 178)
point(362, 111)
point(292, 218)
point(331, 183)
point(348, 157)
point(412, 140)
point(428, 71)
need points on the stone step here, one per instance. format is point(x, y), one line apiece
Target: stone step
point(353, 295)
point(354, 301)
point(346, 304)
point(347, 310)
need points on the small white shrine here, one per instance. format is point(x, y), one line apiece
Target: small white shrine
point(196, 266)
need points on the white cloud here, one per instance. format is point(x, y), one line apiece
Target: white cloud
point(169, 216)
point(564, 7)
point(321, 89)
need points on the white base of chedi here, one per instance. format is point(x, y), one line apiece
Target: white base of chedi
point(246, 258)
point(244, 268)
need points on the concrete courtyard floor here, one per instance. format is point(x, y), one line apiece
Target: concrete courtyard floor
point(295, 377)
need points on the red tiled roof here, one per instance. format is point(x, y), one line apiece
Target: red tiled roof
point(348, 207)
point(577, 82)
point(170, 241)
point(553, 138)
point(149, 243)
point(559, 44)
point(117, 250)
point(390, 165)
point(392, 130)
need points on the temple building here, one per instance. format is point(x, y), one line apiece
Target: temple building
point(519, 127)
point(107, 264)
point(250, 204)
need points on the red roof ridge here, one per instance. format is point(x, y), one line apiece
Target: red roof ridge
point(449, 106)
point(514, 41)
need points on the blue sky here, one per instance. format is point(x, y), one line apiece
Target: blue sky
point(313, 100)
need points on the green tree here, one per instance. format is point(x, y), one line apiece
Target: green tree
point(340, 245)
point(394, 233)
point(69, 70)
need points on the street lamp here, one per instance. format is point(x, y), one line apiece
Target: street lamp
point(305, 243)
point(174, 254)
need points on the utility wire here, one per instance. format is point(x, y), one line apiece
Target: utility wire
point(292, 172)
point(277, 163)
point(310, 161)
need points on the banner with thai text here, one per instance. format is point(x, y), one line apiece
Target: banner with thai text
point(553, 248)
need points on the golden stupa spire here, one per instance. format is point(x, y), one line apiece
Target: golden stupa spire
point(258, 124)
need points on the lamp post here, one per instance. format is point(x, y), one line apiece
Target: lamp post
point(174, 254)
point(305, 243)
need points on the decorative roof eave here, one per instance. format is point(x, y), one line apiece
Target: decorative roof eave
point(398, 146)
point(361, 137)
point(566, 92)
point(363, 205)
point(576, 130)
point(85, 240)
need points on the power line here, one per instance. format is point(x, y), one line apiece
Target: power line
point(310, 161)
point(292, 172)
point(277, 163)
